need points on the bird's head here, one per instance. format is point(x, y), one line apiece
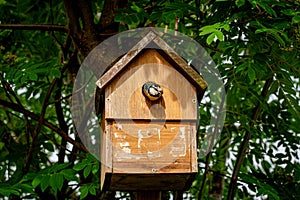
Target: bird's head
point(152, 91)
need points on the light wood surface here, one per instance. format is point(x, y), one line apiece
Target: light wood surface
point(149, 145)
point(124, 98)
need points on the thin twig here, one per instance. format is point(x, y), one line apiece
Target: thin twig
point(39, 126)
point(244, 146)
point(206, 170)
point(35, 117)
point(41, 27)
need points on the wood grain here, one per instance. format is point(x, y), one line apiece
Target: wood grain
point(124, 98)
point(149, 145)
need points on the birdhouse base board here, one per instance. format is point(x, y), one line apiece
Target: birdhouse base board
point(136, 182)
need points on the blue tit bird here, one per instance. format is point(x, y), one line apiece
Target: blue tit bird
point(152, 91)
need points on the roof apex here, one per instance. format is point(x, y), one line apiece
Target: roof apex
point(152, 36)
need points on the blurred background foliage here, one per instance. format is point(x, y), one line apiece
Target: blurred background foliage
point(255, 45)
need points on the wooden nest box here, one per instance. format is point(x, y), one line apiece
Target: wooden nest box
point(150, 144)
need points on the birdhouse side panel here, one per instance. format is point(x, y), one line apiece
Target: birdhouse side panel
point(105, 152)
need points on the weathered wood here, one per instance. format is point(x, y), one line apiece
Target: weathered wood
point(181, 65)
point(106, 151)
point(140, 182)
point(165, 150)
point(149, 145)
point(112, 72)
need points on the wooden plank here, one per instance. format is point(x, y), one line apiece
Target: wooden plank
point(156, 182)
point(190, 72)
point(106, 153)
point(194, 144)
point(151, 36)
point(156, 167)
point(151, 168)
point(179, 100)
point(112, 72)
point(162, 146)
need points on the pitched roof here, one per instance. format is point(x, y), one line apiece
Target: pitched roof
point(152, 37)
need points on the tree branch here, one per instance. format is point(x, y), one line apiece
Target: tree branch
point(86, 15)
point(35, 117)
point(201, 192)
point(39, 127)
point(110, 7)
point(244, 146)
point(61, 121)
point(41, 27)
point(73, 20)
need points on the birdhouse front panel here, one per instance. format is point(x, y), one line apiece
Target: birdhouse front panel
point(124, 98)
point(149, 137)
point(153, 147)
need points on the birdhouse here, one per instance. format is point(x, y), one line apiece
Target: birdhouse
point(149, 119)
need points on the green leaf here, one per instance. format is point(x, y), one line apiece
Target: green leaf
point(267, 189)
point(55, 72)
point(136, 8)
point(36, 181)
point(9, 191)
point(95, 168)
point(267, 8)
point(79, 166)
point(52, 182)
point(226, 27)
point(207, 30)
point(24, 79)
point(248, 178)
point(118, 17)
point(134, 18)
point(219, 35)
point(69, 174)
point(296, 19)
point(87, 171)
point(280, 155)
point(59, 179)
point(169, 16)
point(273, 33)
point(25, 188)
point(251, 75)
point(2, 144)
point(253, 3)
point(48, 146)
point(91, 158)
point(57, 167)
point(242, 67)
point(155, 16)
point(33, 77)
point(274, 87)
point(210, 38)
point(92, 190)
point(261, 30)
point(45, 182)
point(240, 3)
point(84, 191)
point(288, 12)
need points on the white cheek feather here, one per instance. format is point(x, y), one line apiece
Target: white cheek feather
point(152, 91)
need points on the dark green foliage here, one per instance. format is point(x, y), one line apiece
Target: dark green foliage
point(255, 45)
